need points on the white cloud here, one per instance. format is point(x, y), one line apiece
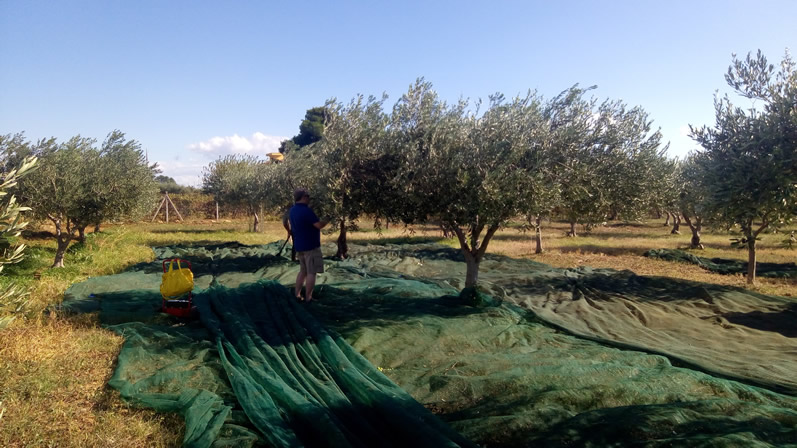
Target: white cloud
point(258, 144)
point(183, 172)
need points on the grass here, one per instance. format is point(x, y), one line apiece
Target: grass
point(53, 372)
point(54, 369)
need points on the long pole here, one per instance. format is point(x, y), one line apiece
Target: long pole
point(283, 245)
point(175, 207)
point(159, 209)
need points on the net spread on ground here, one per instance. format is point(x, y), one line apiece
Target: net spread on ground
point(725, 266)
point(390, 356)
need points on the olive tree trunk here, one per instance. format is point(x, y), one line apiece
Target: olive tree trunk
point(343, 246)
point(62, 237)
point(538, 235)
point(572, 231)
point(473, 251)
point(696, 227)
point(256, 224)
point(676, 224)
point(81, 234)
point(751, 261)
point(471, 269)
point(667, 222)
point(751, 236)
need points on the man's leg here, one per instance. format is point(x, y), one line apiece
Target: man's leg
point(300, 282)
point(309, 285)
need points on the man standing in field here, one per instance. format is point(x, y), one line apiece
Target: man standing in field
point(306, 230)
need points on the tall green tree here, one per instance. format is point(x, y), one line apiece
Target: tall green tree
point(637, 157)
point(691, 202)
point(471, 171)
point(575, 135)
point(58, 190)
point(238, 180)
point(606, 155)
point(120, 183)
point(748, 156)
point(344, 174)
point(311, 130)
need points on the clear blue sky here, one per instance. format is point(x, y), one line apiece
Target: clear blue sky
point(192, 80)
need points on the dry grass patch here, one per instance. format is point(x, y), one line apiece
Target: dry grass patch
point(54, 373)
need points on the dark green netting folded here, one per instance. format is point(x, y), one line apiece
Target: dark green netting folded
point(257, 351)
point(500, 375)
point(725, 266)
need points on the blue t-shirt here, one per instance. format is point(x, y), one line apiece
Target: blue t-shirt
point(305, 235)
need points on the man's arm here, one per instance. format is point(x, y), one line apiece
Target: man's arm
point(320, 224)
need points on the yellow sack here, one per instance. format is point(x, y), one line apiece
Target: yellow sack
point(176, 283)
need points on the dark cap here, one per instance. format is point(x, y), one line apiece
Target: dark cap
point(299, 193)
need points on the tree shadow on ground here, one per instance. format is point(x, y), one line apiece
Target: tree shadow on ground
point(434, 251)
point(196, 231)
point(617, 235)
point(610, 285)
point(627, 224)
point(38, 235)
point(217, 267)
point(519, 236)
point(783, 321)
point(348, 311)
point(377, 240)
point(214, 257)
point(605, 250)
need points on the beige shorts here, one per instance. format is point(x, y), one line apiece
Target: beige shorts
point(311, 261)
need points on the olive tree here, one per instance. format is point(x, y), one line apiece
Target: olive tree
point(353, 139)
point(606, 157)
point(691, 201)
point(239, 180)
point(748, 155)
point(473, 172)
point(637, 160)
point(668, 180)
point(58, 190)
point(12, 297)
point(574, 136)
point(121, 183)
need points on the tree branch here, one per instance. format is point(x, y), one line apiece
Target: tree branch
point(463, 241)
point(764, 225)
point(490, 232)
point(688, 221)
point(474, 236)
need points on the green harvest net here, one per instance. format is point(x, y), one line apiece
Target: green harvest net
point(585, 368)
point(724, 266)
